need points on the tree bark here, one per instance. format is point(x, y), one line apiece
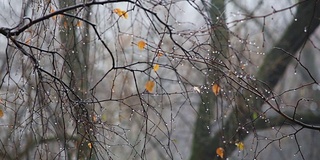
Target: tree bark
point(75, 39)
point(201, 146)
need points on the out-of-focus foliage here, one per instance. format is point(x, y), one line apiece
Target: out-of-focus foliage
point(134, 79)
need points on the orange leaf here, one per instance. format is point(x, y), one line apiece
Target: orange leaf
point(159, 54)
point(216, 89)
point(117, 11)
point(156, 67)
point(121, 13)
point(149, 86)
point(28, 41)
point(141, 45)
point(1, 113)
point(220, 152)
point(65, 24)
point(79, 23)
point(125, 15)
point(51, 11)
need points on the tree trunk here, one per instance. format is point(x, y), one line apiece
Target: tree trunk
point(201, 146)
point(75, 38)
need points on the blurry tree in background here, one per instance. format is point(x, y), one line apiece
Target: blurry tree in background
point(253, 90)
point(121, 79)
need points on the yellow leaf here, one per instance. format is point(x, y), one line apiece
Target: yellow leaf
point(220, 152)
point(156, 67)
point(117, 11)
point(240, 145)
point(149, 86)
point(90, 145)
point(254, 115)
point(141, 45)
point(216, 89)
point(121, 13)
point(104, 117)
point(125, 15)
point(1, 113)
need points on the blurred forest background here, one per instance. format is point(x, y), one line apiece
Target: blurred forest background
point(159, 79)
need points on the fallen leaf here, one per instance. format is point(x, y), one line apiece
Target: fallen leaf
point(216, 89)
point(141, 45)
point(220, 152)
point(149, 86)
point(156, 67)
point(240, 145)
